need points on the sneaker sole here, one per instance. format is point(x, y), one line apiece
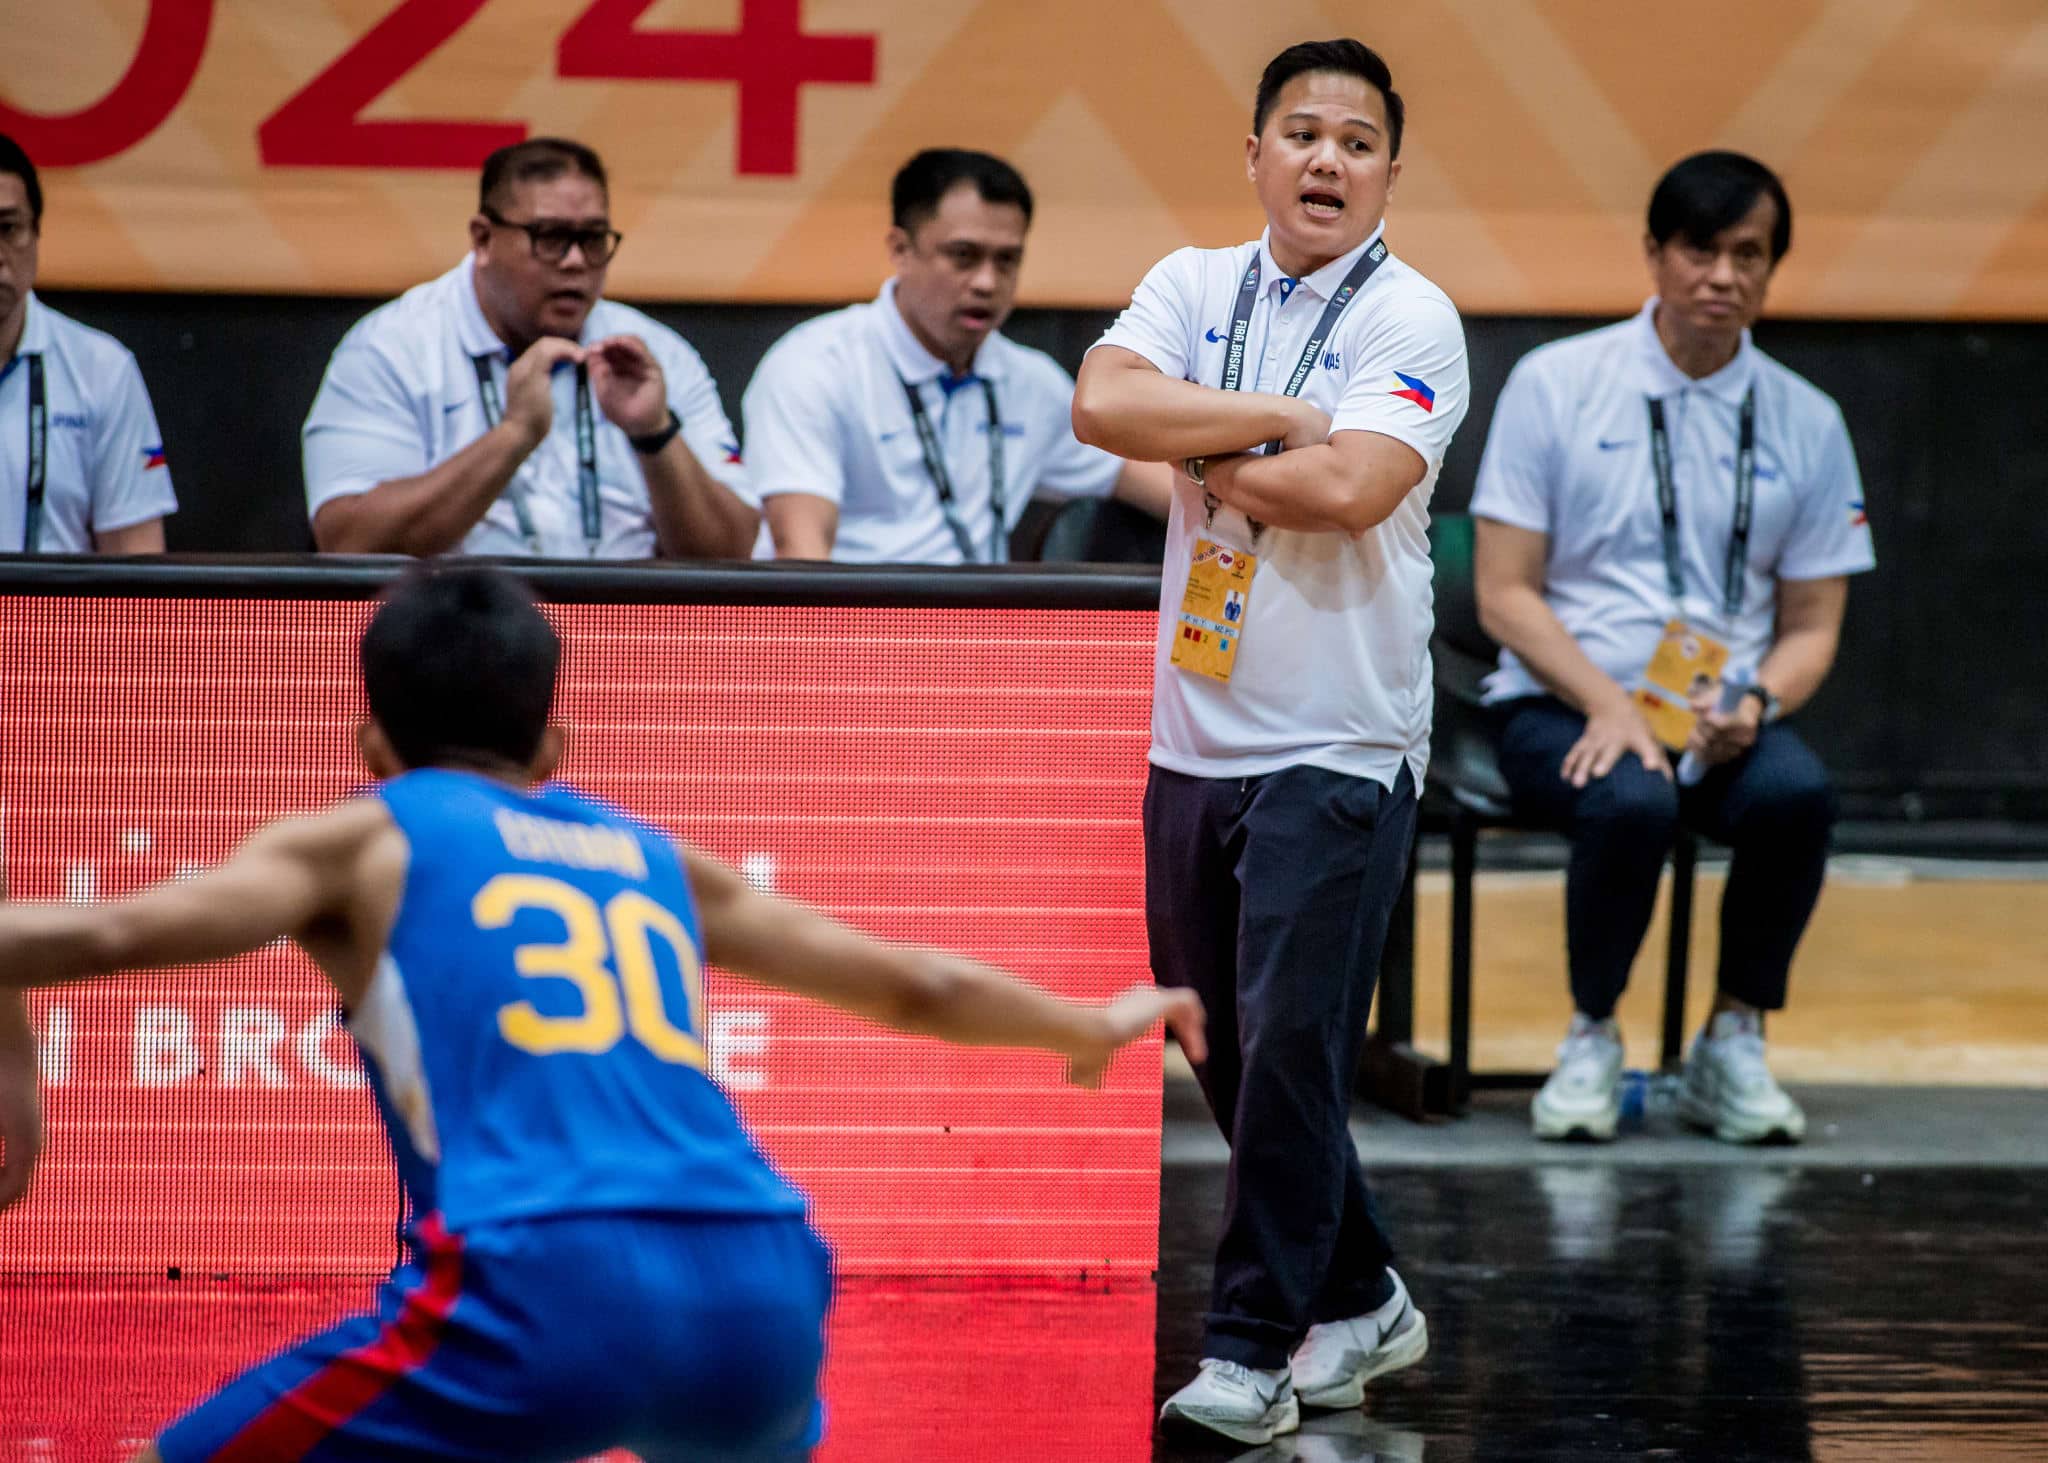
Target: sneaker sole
point(1701, 1115)
point(1552, 1128)
point(1403, 1350)
point(1286, 1418)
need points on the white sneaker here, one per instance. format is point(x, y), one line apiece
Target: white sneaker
point(1728, 1089)
point(1240, 1402)
point(1582, 1099)
point(1337, 1358)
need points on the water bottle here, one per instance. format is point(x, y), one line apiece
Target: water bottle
point(1635, 1099)
point(1690, 768)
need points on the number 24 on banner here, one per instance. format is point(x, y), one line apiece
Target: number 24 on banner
point(770, 57)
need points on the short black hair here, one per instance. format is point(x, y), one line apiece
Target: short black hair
point(937, 171)
point(14, 159)
point(1712, 191)
point(535, 160)
point(1346, 57)
point(459, 665)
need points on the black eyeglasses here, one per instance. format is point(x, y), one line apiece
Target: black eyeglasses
point(551, 241)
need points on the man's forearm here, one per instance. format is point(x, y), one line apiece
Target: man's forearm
point(1313, 489)
point(1147, 417)
point(696, 515)
point(1796, 666)
point(1520, 620)
point(430, 513)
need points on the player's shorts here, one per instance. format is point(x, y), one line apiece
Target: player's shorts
point(675, 1336)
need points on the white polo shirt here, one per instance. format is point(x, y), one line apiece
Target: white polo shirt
point(1333, 670)
point(401, 395)
point(1569, 456)
point(103, 464)
point(826, 414)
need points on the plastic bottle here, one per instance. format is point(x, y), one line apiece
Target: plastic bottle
point(1690, 768)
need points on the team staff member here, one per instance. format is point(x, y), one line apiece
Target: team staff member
point(81, 459)
point(1291, 703)
point(909, 430)
point(1657, 473)
point(506, 408)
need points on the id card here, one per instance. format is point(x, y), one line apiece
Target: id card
point(1685, 664)
point(1212, 610)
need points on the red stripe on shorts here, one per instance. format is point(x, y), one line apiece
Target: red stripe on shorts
point(302, 1418)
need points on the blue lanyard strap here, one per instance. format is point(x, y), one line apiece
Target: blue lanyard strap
point(587, 494)
point(1732, 581)
point(942, 480)
point(1240, 330)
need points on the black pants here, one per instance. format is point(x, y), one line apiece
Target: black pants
point(1270, 896)
point(1774, 806)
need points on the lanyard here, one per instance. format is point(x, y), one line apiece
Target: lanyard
point(1240, 328)
point(942, 481)
point(38, 457)
point(586, 457)
point(1745, 502)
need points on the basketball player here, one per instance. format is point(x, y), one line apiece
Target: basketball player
point(599, 1257)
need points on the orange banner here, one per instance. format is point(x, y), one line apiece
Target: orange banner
point(331, 146)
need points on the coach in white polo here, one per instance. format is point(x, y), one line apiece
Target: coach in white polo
point(910, 430)
point(81, 460)
point(1291, 703)
point(506, 408)
point(1664, 472)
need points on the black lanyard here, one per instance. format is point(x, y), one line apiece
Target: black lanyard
point(1745, 502)
point(1240, 329)
point(586, 456)
point(38, 457)
point(942, 481)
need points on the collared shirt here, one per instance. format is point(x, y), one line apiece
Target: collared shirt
point(826, 415)
point(1333, 670)
point(103, 465)
point(400, 396)
point(1569, 456)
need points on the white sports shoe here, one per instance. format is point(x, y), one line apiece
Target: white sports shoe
point(1730, 1092)
point(1582, 1099)
point(1337, 1358)
point(1240, 1402)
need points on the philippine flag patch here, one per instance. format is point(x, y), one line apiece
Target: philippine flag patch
point(1416, 390)
point(731, 451)
point(153, 457)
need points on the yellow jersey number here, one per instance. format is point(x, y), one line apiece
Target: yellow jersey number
point(619, 937)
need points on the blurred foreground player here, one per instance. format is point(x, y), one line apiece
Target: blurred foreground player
point(599, 1255)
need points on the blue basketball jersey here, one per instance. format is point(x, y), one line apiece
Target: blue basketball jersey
point(535, 1033)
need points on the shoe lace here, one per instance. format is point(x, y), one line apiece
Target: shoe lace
point(1742, 1060)
point(1584, 1045)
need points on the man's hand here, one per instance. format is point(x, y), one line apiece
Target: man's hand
point(529, 385)
point(626, 380)
point(1129, 1017)
point(1309, 428)
point(1613, 728)
point(1722, 736)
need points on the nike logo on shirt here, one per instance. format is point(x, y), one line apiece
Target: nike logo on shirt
point(1610, 446)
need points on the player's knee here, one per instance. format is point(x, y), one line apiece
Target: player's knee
point(1631, 805)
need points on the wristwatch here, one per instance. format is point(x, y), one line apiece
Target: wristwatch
point(1762, 693)
point(653, 442)
point(1196, 468)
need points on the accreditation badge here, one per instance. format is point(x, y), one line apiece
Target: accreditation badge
point(1212, 610)
point(1685, 663)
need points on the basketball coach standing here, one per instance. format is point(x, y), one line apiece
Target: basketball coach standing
point(1291, 706)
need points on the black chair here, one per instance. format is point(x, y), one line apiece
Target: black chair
point(1088, 531)
point(1466, 795)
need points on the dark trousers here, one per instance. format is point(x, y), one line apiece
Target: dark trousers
point(1774, 806)
point(1270, 897)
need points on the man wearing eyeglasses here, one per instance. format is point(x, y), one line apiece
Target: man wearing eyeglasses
point(81, 460)
point(508, 408)
point(909, 429)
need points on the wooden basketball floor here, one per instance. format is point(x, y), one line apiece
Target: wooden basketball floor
point(1905, 975)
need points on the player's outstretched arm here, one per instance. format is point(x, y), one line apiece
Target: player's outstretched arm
point(287, 876)
point(929, 992)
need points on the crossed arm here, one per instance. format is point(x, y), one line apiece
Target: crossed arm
point(1347, 482)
